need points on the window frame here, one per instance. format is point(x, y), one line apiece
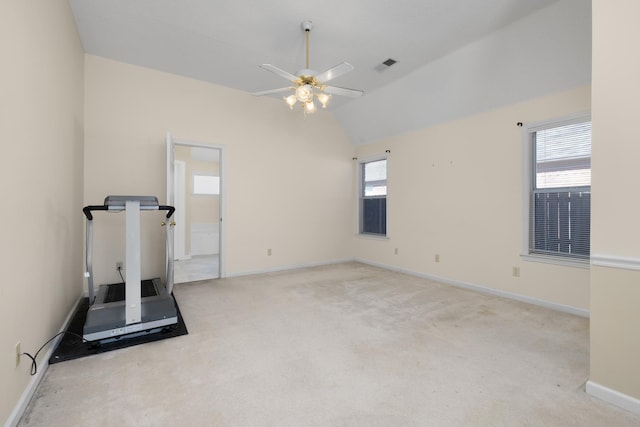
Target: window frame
point(528, 159)
point(194, 175)
point(361, 197)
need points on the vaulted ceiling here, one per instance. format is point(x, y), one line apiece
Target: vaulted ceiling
point(224, 41)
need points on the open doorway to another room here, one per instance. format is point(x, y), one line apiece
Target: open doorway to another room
point(194, 186)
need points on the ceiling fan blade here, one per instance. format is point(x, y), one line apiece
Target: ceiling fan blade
point(282, 73)
point(334, 72)
point(343, 91)
point(270, 91)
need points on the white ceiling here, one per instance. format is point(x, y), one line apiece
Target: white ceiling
point(223, 41)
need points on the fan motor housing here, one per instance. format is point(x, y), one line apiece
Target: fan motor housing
point(306, 73)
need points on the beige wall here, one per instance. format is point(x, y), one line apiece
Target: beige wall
point(41, 118)
point(615, 292)
point(288, 178)
point(456, 190)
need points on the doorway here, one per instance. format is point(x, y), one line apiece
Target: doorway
point(195, 186)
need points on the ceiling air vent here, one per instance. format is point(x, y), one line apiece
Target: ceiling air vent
point(385, 64)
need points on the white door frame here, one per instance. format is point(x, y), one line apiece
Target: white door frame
point(179, 194)
point(171, 144)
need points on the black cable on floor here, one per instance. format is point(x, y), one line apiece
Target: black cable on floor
point(34, 364)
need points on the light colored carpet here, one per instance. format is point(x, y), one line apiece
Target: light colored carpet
point(339, 345)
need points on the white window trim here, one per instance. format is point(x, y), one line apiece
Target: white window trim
point(527, 173)
point(370, 159)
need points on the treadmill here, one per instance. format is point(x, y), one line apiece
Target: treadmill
point(135, 307)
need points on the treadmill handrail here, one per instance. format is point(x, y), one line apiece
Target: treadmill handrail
point(88, 209)
point(168, 208)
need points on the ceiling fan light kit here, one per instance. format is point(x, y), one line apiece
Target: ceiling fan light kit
point(310, 85)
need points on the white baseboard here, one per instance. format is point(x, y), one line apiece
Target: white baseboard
point(288, 267)
point(486, 290)
point(470, 286)
point(613, 397)
point(31, 388)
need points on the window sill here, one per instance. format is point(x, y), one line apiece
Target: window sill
point(372, 236)
point(557, 260)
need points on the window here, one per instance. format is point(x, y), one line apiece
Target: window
point(206, 184)
point(373, 197)
point(558, 178)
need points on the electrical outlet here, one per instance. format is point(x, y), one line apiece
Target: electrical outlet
point(436, 258)
point(269, 252)
point(18, 353)
point(395, 251)
point(516, 272)
point(118, 265)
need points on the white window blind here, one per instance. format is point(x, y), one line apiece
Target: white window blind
point(563, 156)
point(373, 197)
point(375, 178)
point(560, 208)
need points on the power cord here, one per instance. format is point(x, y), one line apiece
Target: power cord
point(120, 273)
point(34, 364)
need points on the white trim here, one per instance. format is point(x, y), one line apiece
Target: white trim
point(289, 267)
point(29, 391)
point(373, 158)
point(614, 261)
point(178, 200)
point(360, 162)
point(613, 397)
point(527, 177)
point(486, 290)
point(527, 160)
point(372, 236)
point(465, 285)
point(171, 142)
point(571, 119)
point(557, 260)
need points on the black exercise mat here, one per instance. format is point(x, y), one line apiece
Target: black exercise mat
point(72, 347)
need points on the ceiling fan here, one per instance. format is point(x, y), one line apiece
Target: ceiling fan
point(309, 83)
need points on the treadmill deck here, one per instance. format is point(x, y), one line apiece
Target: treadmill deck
point(106, 317)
